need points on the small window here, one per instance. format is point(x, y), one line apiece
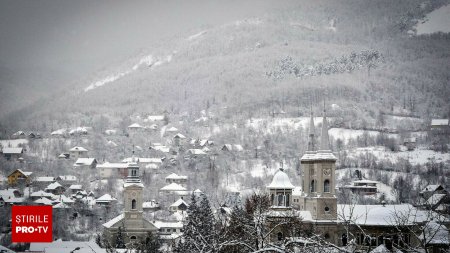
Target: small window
point(313, 186)
point(326, 186)
point(132, 238)
point(280, 236)
point(327, 209)
point(133, 204)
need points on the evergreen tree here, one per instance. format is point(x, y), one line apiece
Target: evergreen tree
point(150, 244)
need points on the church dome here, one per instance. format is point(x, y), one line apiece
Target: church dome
point(281, 181)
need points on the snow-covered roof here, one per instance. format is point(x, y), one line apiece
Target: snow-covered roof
point(155, 118)
point(435, 233)
point(196, 151)
point(78, 149)
point(439, 122)
point(173, 187)
point(365, 181)
point(106, 198)
point(143, 159)
point(41, 194)
point(110, 131)
point(43, 201)
point(25, 173)
point(431, 188)
point(113, 221)
point(379, 215)
point(281, 181)
point(168, 224)
point(53, 186)
point(178, 135)
point(108, 165)
point(60, 246)
point(161, 148)
point(61, 205)
point(172, 129)
point(44, 179)
point(314, 156)
point(179, 202)
point(12, 150)
point(59, 132)
point(435, 199)
point(68, 178)
point(84, 161)
point(150, 204)
point(63, 199)
point(135, 125)
point(8, 192)
point(175, 176)
point(233, 147)
point(76, 187)
point(198, 191)
point(111, 144)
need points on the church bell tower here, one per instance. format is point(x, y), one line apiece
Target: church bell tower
point(133, 188)
point(318, 167)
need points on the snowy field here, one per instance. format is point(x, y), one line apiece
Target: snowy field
point(417, 156)
point(435, 21)
point(347, 134)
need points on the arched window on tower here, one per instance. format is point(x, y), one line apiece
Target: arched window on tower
point(133, 204)
point(313, 185)
point(280, 199)
point(326, 185)
point(287, 200)
point(272, 199)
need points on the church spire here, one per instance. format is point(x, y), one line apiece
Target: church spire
point(324, 141)
point(311, 142)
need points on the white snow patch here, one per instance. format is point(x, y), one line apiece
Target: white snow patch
point(13, 143)
point(435, 21)
point(347, 134)
point(197, 35)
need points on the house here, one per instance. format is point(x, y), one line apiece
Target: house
point(440, 125)
point(108, 170)
point(18, 135)
point(232, 147)
point(105, 200)
point(41, 194)
point(78, 131)
point(64, 156)
point(410, 143)
point(431, 189)
point(59, 133)
point(19, 177)
point(135, 127)
point(78, 152)
point(85, 163)
point(75, 188)
point(10, 193)
point(194, 153)
point(363, 187)
point(42, 182)
point(179, 205)
point(174, 178)
point(174, 188)
point(55, 188)
point(151, 205)
point(66, 180)
point(169, 230)
point(179, 139)
point(159, 148)
point(12, 153)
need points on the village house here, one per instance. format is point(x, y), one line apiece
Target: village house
point(440, 125)
point(19, 177)
point(179, 140)
point(78, 152)
point(362, 187)
point(151, 205)
point(410, 143)
point(55, 188)
point(42, 182)
point(232, 148)
point(174, 178)
point(105, 200)
point(85, 163)
point(66, 180)
point(179, 205)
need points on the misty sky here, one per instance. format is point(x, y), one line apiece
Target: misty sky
point(41, 37)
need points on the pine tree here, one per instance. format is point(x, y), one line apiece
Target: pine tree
point(151, 244)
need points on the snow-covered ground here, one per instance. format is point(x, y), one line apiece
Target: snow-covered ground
point(435, 21)
point(285, 124)
point(417, 156)
point(346, 134)
point(13, 143)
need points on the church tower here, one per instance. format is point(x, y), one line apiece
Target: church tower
point(318, 168)
point(133, 197)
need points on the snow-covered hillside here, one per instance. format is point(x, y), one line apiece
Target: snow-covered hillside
point(436, 21)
